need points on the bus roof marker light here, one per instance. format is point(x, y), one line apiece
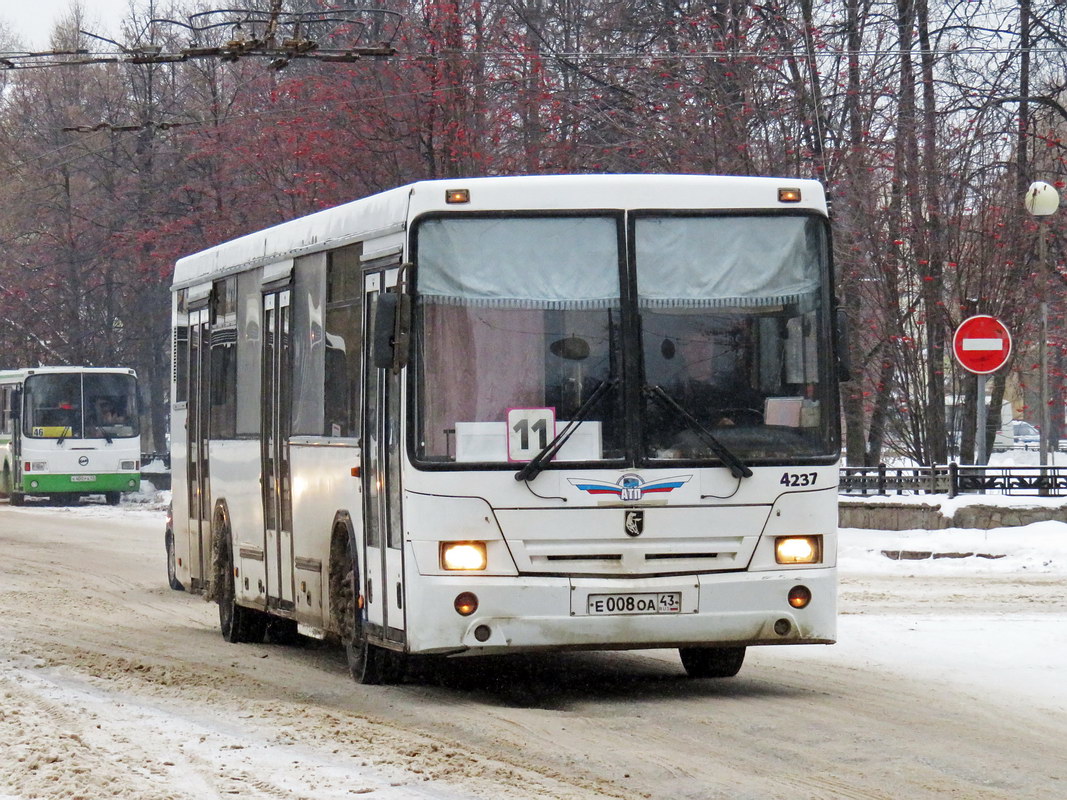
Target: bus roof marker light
point(453, 196)
point(788, 194)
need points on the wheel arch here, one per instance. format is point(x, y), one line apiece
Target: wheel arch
point(342, 540)
point(221, 536)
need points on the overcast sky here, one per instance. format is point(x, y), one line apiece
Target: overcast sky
point(32, 20)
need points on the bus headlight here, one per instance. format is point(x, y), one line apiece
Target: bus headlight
point(463, 555)
point(128, 466)
point(36, 466)
point(798, 549)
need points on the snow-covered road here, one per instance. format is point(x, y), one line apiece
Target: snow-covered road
point(947, 681)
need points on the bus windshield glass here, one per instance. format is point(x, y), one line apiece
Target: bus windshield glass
point(93, 405)
point(734, 327)
point(517, 326)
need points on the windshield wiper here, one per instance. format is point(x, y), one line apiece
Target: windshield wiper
point(737, 467)
point(536, 465)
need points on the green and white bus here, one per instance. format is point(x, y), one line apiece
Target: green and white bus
point(68, 432)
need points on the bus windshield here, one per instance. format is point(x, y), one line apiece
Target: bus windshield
point(73, 405)
point(517, 325)
point(520, 318)
point(733, 330)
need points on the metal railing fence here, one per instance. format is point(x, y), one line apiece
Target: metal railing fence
point(954, 479)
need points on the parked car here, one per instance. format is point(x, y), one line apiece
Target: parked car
point(1017, 434)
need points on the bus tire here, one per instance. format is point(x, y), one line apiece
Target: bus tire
point(113, 498)
point(237, 623)
point(712, 662)
point(368, 663)
point(16, 498)
point(5, 482)
point(172, 563)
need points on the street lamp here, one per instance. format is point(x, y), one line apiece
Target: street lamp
point(1041, 201)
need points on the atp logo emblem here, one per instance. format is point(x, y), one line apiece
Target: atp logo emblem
point(630, 487)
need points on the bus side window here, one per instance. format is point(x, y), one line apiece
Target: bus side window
point(344, 313)
point(306, 335)
point(223, 361)
point(181, 347)
point(249, 352)
point(5, 410)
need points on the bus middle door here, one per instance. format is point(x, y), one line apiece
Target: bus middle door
point(276, 426)
point(382, 531)
point(197, 443)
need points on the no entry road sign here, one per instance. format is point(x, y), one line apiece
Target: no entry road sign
point(982, 344)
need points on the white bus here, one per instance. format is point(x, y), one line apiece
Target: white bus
point(497, 415)
point(68, 432)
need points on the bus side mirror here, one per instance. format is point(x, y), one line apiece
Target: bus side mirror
point(392, 331)
point(844, 360)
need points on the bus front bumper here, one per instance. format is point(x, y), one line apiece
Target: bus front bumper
point(91, 483)
point(543, 613)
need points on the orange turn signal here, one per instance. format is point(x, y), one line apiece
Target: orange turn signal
point(799, 596)
point(466, 603)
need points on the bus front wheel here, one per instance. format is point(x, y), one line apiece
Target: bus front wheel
point(368, 663)
point(712, 662)
point(113, 498)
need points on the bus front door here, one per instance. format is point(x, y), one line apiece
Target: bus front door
point(197, 444)
point(276, 423)
point(382, 532)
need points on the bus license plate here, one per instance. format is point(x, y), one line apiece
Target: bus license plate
point(650, 603)
point(82, 478)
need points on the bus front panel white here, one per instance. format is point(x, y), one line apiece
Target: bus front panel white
point(547, 613)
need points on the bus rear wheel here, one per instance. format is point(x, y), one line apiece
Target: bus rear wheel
point(368, 663)
point(712, 662)
point(237, 623)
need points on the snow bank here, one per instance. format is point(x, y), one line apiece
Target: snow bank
point(1037, 548)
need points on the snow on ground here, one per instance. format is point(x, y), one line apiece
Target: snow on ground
point(68, 734)
point(1037, 548)
point(1025, 457)
point(1011, 654)
point(996, 633)
point(1013, 457)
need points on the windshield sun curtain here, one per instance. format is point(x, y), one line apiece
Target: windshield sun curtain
point(519, 321)
point(714, 262)
point(542, 263)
